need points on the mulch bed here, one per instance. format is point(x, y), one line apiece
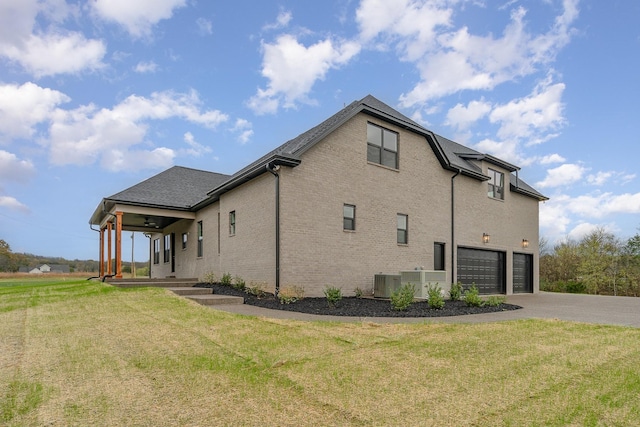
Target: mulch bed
point(358, 307)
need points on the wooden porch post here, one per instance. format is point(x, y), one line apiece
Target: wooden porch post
point(109, 266)
point(118, 245)
point(101, 269)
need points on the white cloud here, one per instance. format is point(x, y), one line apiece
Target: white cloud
point(137, 17)
point(292, 69)
point(127, 160)
point(583, 229)
point(462, 117)
point(13, 204)
point(562, 175)
point(195, 149)
point(22, 107)
point(47, 53)
point(14, 169)
point(283, 19)
point(537, 113)
point(244, 128)
point(205, 27)
point(146, 67)
point(552, 158)
point(599, 178)
point(457, 60)
point(86, 134)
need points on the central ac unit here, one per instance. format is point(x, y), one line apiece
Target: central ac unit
point(422, 279)
point(385, 284)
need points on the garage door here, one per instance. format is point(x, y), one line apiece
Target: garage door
point(484, 268)
point(522, 273)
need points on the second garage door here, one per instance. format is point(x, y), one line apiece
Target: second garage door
point(484, 268)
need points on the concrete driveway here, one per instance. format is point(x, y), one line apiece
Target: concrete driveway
point(607, 310)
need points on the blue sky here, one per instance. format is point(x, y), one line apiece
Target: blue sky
point(96, 96)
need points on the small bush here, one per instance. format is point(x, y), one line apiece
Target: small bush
point(495, 300)
point(255, 289)
point(239, 283)
point(576, 287)
point(434, 293)
point(290, 294)
point(402, 298)
point(210, 278)
point(333, 294)
point(472, 297)
point(359, 292)
point(226, 279)
point(455, 293)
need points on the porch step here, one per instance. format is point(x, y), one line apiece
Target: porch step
point(215, 299)
point(146, 282)
point(185, 291)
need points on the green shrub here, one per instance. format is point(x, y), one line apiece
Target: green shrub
point(359, 292)
point(226, 279)
point(255, 289)
point(290, 294)
point(576, 287)
point(495, 300)
point(455, 293)
point(402, 298)
point(434, 293)
point(472, 297)
point(239, 283)
point(333, 294)
point(210, 278)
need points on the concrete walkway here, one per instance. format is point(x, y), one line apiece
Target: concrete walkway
point(544, 305)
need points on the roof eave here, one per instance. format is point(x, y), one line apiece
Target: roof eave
point(524, 192)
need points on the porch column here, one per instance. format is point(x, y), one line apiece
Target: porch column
point(101, 269)
point(109, 266)
point(118, 245)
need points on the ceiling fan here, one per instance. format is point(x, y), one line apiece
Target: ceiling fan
point(148, 223)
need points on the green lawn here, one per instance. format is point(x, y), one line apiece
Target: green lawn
point(85, 353)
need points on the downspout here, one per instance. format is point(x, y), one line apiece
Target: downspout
point(149, 235)
point(453, 222)
point(274, 171)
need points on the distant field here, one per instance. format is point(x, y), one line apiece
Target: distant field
point(78, 353)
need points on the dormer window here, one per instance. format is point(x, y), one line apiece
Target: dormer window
point(382, 146)
point(496, 184)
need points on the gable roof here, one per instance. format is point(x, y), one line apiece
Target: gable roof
point(189, 189)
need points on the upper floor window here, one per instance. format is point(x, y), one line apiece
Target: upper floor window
point(200, 238)
point(403, 229)
point(349, 217)
point(496, 184)
point(232, 223)
point(382, 146)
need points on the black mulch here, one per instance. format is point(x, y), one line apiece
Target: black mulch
point(358, 307)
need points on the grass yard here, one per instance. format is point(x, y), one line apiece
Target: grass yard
point(77, 353)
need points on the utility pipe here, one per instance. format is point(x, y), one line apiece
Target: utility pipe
point(274, 171)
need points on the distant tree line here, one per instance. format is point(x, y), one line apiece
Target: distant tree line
point(599, 263)
point(11, 262)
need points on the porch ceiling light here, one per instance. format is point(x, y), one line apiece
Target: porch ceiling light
point(485, 238)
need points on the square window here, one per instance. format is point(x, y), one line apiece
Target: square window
point(349, 217)
point(403, 229)
point(382, 146)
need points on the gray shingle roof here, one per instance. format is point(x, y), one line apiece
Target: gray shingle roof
point(177, 187)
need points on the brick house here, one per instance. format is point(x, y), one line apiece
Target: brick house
point(367, 191)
